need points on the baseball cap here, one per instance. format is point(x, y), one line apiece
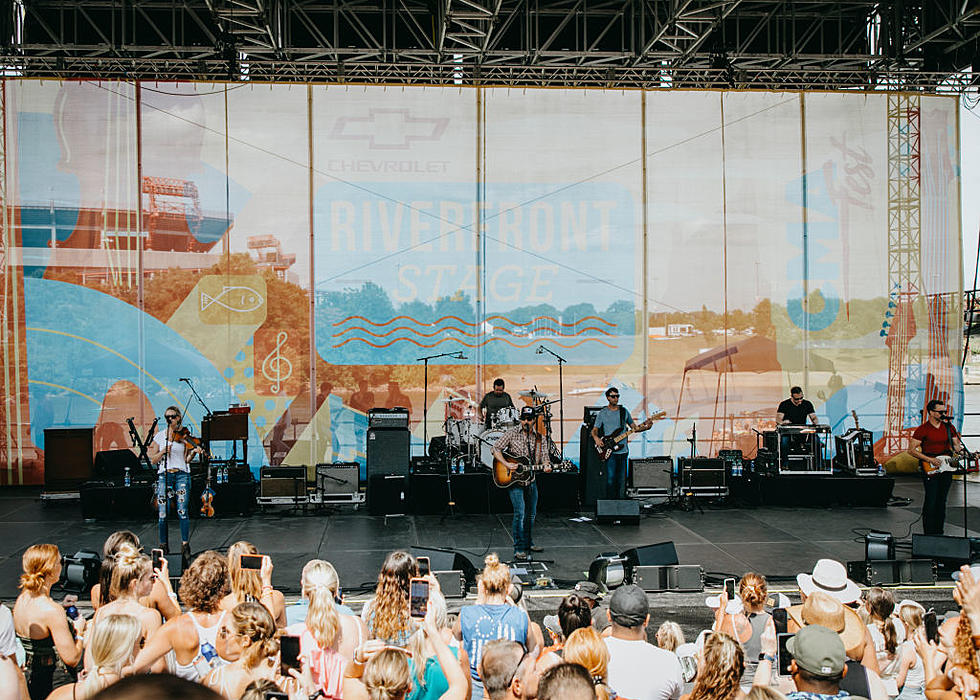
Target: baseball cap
point(587, 589)
point(819, 650)
point(628, 606)
point(527, 412)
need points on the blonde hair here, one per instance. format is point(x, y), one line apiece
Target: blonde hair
point(911, 616)
point(319, 581)
point(246, 584)
point(416, 643)
point(496, 576)
point(129, 565)
point(254, 621)
point(386, 675)
point(39, 562)
point(670, 636)
point(113, 642)
point(753, 589)
point(585, 647)
point(721, 670)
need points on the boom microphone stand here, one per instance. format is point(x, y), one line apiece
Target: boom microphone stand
point(561, 396)
point(458, 355)
point(949, 437)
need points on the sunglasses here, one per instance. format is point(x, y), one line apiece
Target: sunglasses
point(170, 416)
point(613, 396)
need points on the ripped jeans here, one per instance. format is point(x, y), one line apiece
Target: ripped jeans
point(180, 483)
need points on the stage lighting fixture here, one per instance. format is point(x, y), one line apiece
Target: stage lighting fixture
point(879, 546)
point(80, 571)
point(608, 570)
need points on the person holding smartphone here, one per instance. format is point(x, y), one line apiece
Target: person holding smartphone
point(250, 575)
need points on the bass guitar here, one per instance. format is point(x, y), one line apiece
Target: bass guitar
point(610, 442)
point(504, 476)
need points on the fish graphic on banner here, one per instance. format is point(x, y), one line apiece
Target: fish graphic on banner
point(232, 299)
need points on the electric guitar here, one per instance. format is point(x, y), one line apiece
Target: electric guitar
point(504, 476)
point(609, 442)
point(946, 464)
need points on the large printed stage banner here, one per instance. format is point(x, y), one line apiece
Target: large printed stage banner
point(314, 252)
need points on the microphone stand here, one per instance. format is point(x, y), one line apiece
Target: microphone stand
point(425, 400)
point(197, 396)
point(949, 438)
point(561, 397)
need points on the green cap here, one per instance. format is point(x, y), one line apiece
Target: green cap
point(819, 650)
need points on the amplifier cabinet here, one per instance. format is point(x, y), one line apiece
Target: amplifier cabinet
point(651, 476)
point(338, 478)
point(283, 482)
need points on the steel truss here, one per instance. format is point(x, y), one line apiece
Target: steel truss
point(798, 44)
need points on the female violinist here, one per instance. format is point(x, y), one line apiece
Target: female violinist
point(170, 450)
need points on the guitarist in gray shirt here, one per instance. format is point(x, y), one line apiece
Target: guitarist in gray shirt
point(611, 421)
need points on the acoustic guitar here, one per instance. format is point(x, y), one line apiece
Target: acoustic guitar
point(610, 442)
point(504, 476)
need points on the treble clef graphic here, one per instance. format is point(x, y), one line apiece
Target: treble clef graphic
point(276, 367)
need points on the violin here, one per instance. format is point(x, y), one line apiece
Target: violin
point(207, 500)
point(183, 435)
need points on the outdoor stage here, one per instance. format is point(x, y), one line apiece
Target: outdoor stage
point(777, 541)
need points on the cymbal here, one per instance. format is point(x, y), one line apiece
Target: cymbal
point(533, 394)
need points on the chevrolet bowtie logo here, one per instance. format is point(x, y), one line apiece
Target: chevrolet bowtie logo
point(389, 129)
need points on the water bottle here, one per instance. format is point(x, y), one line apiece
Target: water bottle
point(224, 475)
point(127, 479)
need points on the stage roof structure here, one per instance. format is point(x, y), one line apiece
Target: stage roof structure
point(921, 45)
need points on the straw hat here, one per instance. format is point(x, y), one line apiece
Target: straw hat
point(822, 609)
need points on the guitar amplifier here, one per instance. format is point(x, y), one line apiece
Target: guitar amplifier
point(283, 483)
point(388, 418)
point(702, 476)
point(650, 476)
point(339, 478)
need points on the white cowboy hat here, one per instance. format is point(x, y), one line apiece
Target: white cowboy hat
point(830, 577)
point(734, 606)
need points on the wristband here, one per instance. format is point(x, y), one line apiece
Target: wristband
point(769, 657)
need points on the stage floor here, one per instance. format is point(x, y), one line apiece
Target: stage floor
point(777, 541)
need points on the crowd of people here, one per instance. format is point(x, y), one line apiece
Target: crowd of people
point(226, 632)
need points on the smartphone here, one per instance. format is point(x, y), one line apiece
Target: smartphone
point(783, 655)
point(423, 564)
point(288, 654)
point(252, 561)
point(931, 625)
point(418, 597)
point(156, 557)
point(730, 588)
point(779, 620)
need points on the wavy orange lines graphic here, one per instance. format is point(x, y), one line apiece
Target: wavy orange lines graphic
point(462, 332)
point(474, 325)
point(471, 345)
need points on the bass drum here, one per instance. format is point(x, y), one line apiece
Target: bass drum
point(487, 441)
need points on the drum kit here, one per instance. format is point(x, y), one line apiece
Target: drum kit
point(469, 444)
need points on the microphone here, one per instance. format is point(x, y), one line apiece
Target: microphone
point(184, 379)
point(540, 350)
point(460, 355)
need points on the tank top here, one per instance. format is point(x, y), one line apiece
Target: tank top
point(326, 665)
point(207, 653)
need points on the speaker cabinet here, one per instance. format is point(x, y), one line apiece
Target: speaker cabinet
point(447, 560)
point(689, 577)
point(660, 554)
point(617, 512)
point(282, 482)
point(387, 495)
point(651, 476)
point(67, 457)
point(339, 478)
point(892, 572)
point(947, 551)
point(388, 451)
point(592, 471)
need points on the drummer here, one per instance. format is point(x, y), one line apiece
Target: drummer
point(493, 401)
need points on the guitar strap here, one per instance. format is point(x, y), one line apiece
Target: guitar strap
point(622, 418)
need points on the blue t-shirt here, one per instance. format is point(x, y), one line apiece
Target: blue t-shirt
point(480, 624)
point(434, 682)
point(297, 612)
point(608, 421)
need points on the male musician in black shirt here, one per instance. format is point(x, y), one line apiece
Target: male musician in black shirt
point(493, 401)
point(795, 410)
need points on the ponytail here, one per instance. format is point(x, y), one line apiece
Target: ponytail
point(322, 620)
point(888, 631)
point(254, 622)
point(39, 562)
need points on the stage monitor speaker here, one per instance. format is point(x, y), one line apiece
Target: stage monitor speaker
point(651, 473)
point(110, 465)
point(447, 560)
point(388, 451)
point(617, 512)
point(660, 554)
point(948, 551)
point(282, 482)
point(592, 471)
point(67, 457)
point(387, 495)
point(892, 572)
point(338, 478)
point(451, 583)
point(689, 577)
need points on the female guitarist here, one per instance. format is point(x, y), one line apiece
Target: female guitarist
point(930, 442)
point(518, 453)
